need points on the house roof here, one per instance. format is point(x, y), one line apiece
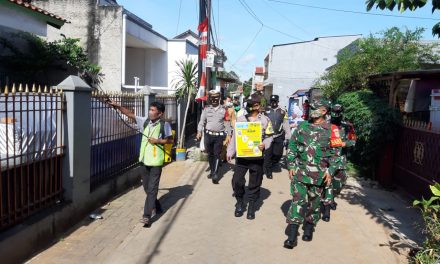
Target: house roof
point(53, 20)
point(186, 33)
point(434, 73)
point(316, 39)
point(259, 70)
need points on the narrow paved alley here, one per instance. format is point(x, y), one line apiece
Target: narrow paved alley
point(198, 226)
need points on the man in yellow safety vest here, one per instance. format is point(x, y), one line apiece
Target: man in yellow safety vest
point(155, 134)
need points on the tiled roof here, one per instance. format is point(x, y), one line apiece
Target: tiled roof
point(37, 9)
point(259, 70)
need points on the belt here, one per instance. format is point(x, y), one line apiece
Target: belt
point(214, 133)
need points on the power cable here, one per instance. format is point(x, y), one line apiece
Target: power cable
point(178, 18)
point(350, 11)
point(250, 44)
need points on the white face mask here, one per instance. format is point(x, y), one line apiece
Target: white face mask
point(229, 104)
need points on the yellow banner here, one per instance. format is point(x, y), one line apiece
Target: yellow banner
point(248, 137)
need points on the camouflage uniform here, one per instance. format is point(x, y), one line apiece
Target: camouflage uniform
point(347, 135)
point(309, 155)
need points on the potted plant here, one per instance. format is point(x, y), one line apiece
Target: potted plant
point(185, 85)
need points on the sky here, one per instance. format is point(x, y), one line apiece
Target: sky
point(246, 38)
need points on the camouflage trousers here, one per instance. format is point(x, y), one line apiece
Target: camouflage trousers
point(305, 203)
point(338, 182)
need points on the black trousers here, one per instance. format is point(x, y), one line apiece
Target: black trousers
point(273, 154)
point(213, 145)
point(255, 167)
point(150, 181)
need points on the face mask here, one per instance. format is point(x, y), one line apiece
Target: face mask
point(237, 108)
point(229, 104)
point(274, 104)
point(215, 102)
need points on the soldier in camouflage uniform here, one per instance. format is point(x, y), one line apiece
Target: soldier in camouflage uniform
point(310, 168)
point(342, 139)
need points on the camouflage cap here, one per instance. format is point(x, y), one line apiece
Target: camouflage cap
point(319, 103)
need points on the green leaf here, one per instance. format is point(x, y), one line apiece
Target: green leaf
point(435, 190)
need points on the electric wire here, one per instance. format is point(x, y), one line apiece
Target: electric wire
point(350, 11)
point(178, 17)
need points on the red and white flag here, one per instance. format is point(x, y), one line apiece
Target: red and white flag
point(203, 48)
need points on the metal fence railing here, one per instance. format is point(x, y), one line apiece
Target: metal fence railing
point(115, 140)
point(31, 150)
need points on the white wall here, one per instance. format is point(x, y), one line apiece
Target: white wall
point(23, 21)
point(149, 65)
point(178, 50)
point(298, 66)
point(135, 65)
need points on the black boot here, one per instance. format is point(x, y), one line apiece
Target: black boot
point(251, 210)
point(326, 213)
point(291, 240)
point(158, 208)
point(333, 205)
point(239, 208)
point(215, 176)
point(269, 173)
point(309, 228)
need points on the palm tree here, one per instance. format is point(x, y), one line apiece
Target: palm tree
point(185, 84)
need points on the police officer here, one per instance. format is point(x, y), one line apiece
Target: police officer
point(280, 123)
point(253, 164)
point(213, 121)
point(343, 138)
point(310, 169)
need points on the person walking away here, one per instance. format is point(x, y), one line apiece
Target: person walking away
point(155, 134)
point(280, 123)
point(212, 121)
point(253, 164)
point(343, 138)
point(229, 125)
point(310, 167)
point(306, 110)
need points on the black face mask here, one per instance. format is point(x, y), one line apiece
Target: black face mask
point(336, 120)
point(274, 104)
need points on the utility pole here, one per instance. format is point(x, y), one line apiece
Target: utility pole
point(205, 11)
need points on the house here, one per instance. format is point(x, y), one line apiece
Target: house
point(130, 52)
point(258, 78)
point(182, 46)
point(18, 15)
point(294, 66)
point(412, 161)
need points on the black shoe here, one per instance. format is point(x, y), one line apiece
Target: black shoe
point(333, 206)
point(269, 175)
point(146, 221)
point(326, 213)
point(309, 228)
point(210, 175)
point(239, 208)
point(215, 178)
point(291, 240)
point(251, 211)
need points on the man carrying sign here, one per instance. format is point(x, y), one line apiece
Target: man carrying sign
point(254, 161)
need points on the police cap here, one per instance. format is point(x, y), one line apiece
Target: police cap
point(214, 93)
point(275, 98)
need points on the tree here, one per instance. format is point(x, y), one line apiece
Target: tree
point(185, 84)
point(394, 50)
point(403, 5)
point(247, 87)
point(41, 56)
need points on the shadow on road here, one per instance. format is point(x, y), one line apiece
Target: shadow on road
point(173, 195)
point(388, 209)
